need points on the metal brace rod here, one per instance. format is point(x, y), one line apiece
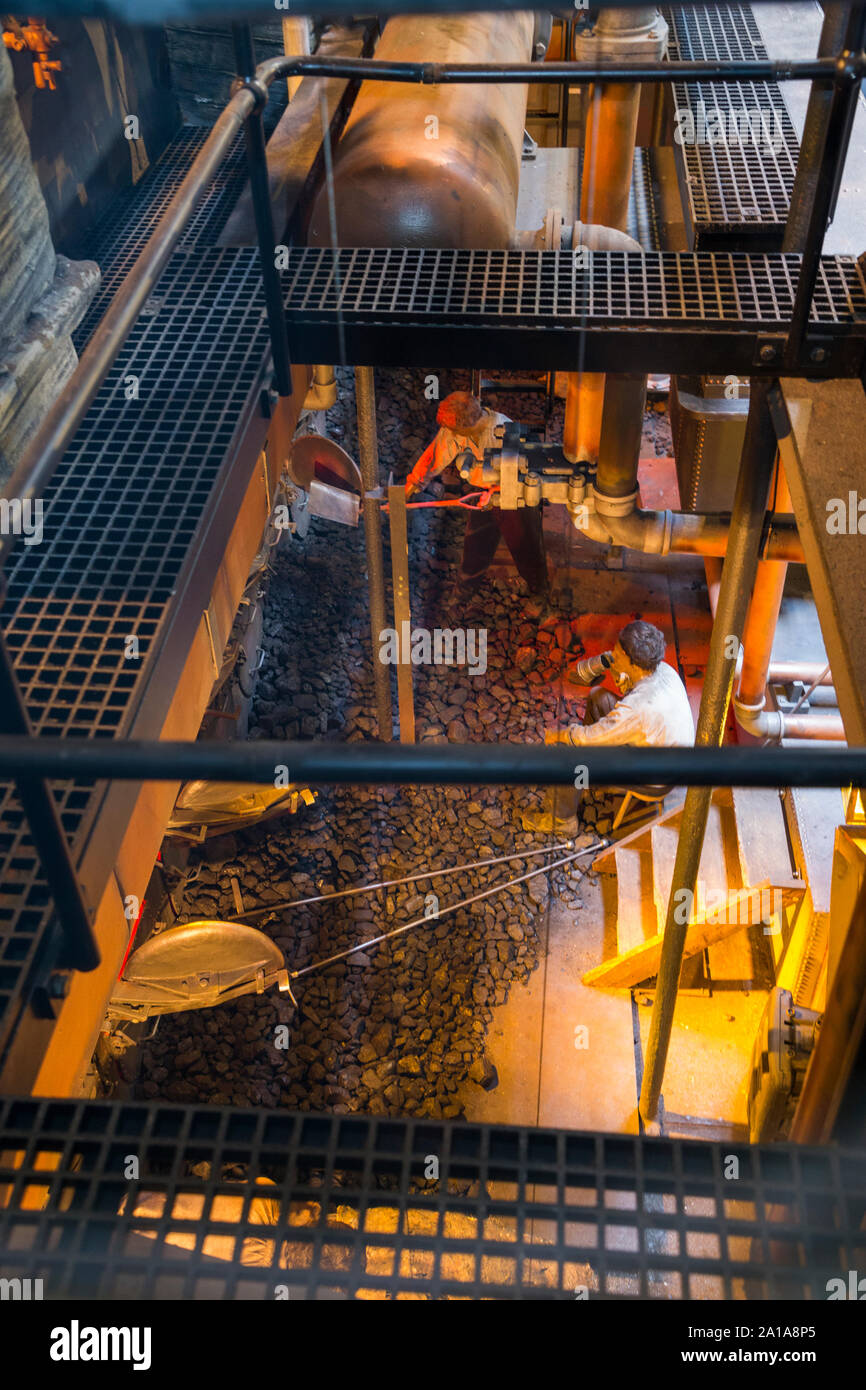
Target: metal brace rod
point(738, 577)
point(433, 74)
point(80, 951)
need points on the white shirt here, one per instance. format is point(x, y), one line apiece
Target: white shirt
point(655, 712)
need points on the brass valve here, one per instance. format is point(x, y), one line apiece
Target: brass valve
point(36, 36)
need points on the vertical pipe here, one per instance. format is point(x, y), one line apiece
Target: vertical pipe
point(608, 155)
point(741, 560)
point(368, 452)
point(257, 164)
point(763, 613)
point(770, 581)
point(608, 160)
point(621, 434)
point(47, 833)
point(584, 403)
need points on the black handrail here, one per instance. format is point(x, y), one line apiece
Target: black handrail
point(468, 764)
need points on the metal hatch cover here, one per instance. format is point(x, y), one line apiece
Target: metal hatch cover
point(317, 456)
point(196, 966)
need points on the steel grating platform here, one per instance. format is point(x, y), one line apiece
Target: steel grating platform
point(734, 193)
point(135, 516)
point(661, 311)
point(512, 1212)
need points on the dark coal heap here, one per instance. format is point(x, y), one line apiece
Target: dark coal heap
point(398, 1028)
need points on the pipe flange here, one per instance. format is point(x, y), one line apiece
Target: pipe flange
point(614, 506)
point(638, 36)
point(553, 229)
point(749, 711)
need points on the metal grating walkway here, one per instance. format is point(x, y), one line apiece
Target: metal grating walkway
point(656, 311)
point(354, 1210)
point(124, 513)
point(735, 191)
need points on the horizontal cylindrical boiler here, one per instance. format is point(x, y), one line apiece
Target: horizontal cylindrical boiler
point(432, 165)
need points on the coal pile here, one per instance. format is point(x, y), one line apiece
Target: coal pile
point(400, 1027)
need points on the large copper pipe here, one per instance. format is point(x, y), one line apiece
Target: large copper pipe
point(608, 159)
point(826, 727)
point(584, 396)
point(423, 165)
point(763, 614)
point(608, 156)
point(809, 672)
point(706, 533)
point(584, 403)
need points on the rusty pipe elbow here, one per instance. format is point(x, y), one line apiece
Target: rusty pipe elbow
point(619, 521)
point(775, 724)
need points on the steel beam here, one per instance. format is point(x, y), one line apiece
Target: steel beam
point(822, 428)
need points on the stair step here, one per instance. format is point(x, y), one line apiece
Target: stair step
point(762, 839)
point(640, 838)
point(642, 961)
point(718, 869)
point(635, 918)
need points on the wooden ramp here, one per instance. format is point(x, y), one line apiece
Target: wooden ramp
point(746, 877)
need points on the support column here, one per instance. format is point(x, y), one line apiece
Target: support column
point(738, 577)
point(368, 458)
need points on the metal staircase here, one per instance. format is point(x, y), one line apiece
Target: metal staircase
point(746, 880)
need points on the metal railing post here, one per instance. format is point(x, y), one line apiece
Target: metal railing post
point(257, 164)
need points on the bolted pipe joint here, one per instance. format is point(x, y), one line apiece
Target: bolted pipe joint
point(637, 34)
point(633, 527)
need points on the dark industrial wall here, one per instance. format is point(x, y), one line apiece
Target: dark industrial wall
point(77, 136)
point(203, 65)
